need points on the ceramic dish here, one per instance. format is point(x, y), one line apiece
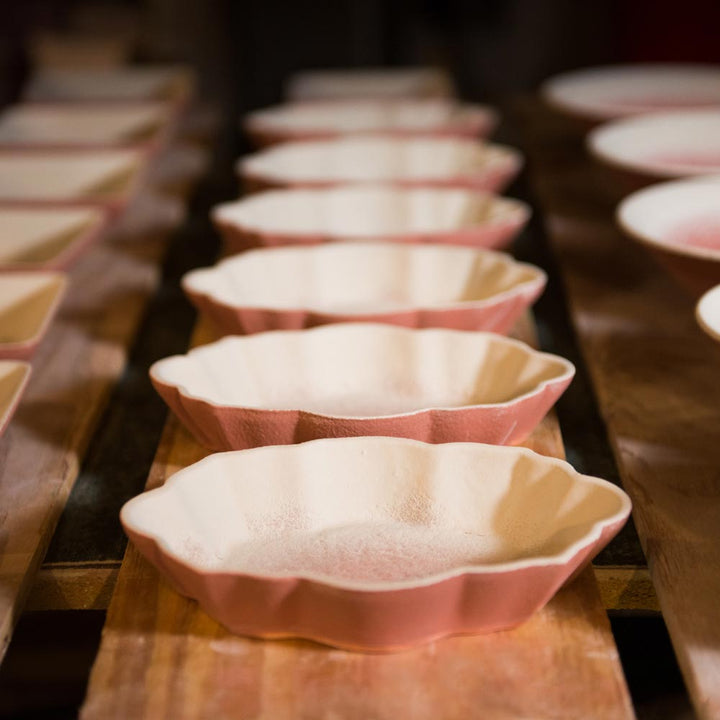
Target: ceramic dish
point(409, 285)
point(133, 83)
point(14, 377)
point(394, 214)
point(84, 125)
point(708, 312)
point(47, 238)
point(353, 379)
point(369, 83)
point(28, 302)
point(106, 177)
point(666, 145)
point(437, 162)
point(405, 118)
point(436, 540)
point(604, 93)
point(680, 222)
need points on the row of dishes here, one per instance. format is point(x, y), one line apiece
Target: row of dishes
point(365, 391)
point(74, 153)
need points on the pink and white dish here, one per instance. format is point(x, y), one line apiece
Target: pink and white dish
point(28, 302)
point(707, 312)
point(170, 83)
point(450, 216)
point(416, 162)
point(680, 222)
point(400, 118)
point(62, 125)
point(290, 288)
point(615, 91)
point(353, 379)
point(370, 83)
point(660, 146)
point(108, 177)
point(47, 238)
point(14, 377)
point(374, 544)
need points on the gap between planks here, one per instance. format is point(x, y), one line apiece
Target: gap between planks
point(161, 656)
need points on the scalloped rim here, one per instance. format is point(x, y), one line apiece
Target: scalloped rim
point(638, 166)
point(531, 285)
point(465, 118)
point(518, 211)
point(558, 559)
point(653, 241)
point(506, 157)
point(566, 375)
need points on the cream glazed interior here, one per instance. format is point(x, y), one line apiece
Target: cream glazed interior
point(362, 370)
point(368, 116)
point(364, 278)
point(364, 212)
point(372, 160)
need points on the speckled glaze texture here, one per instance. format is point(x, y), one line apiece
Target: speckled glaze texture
point(387, 616)
point(236, 427)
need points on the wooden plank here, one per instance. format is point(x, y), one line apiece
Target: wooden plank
point(161, 656)
point(656, 379)
point(80, 586)
point(74, 370)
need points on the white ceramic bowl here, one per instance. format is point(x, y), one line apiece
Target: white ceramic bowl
point(410, 285)
point(403, 118)
point(351, 213)
point(373, 83)
point(605, 93)
point(436, 162)
point(708, 312)
point(374, 543)
point(657, 146)
point(680, 222)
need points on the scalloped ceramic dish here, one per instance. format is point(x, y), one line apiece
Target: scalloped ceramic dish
point(664, 145)
point(369, 83)
point(354, 379)
point(409, 285)
point(394, 214)
point(14, 377)
point(47, 238)
point(84, 125)
point(423, 162)
point(106, 177)
point(376, 543)
point(132, 83)
point(403, 118)
point(28, 302)
point(680, 222)
point(707, 312)
point(604, 93)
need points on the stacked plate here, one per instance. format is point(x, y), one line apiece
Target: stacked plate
point(366, 394)
point(664, 126)
point(73, 156)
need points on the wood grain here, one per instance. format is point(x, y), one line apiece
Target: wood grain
point(163, 657)
point(79, 361)
point(656, 378)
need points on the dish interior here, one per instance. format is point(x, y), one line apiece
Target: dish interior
point(366, 212)
point(357, 278)
point(25, 300)
point(96, 124)
point(361, 370)
point(365, 160)
point(416, 510)
point(65, 175)
point(12, 377)
point(40, 235)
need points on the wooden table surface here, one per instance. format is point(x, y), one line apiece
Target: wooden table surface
point(608, 315)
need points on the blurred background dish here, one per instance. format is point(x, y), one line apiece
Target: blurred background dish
point(708, 312)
